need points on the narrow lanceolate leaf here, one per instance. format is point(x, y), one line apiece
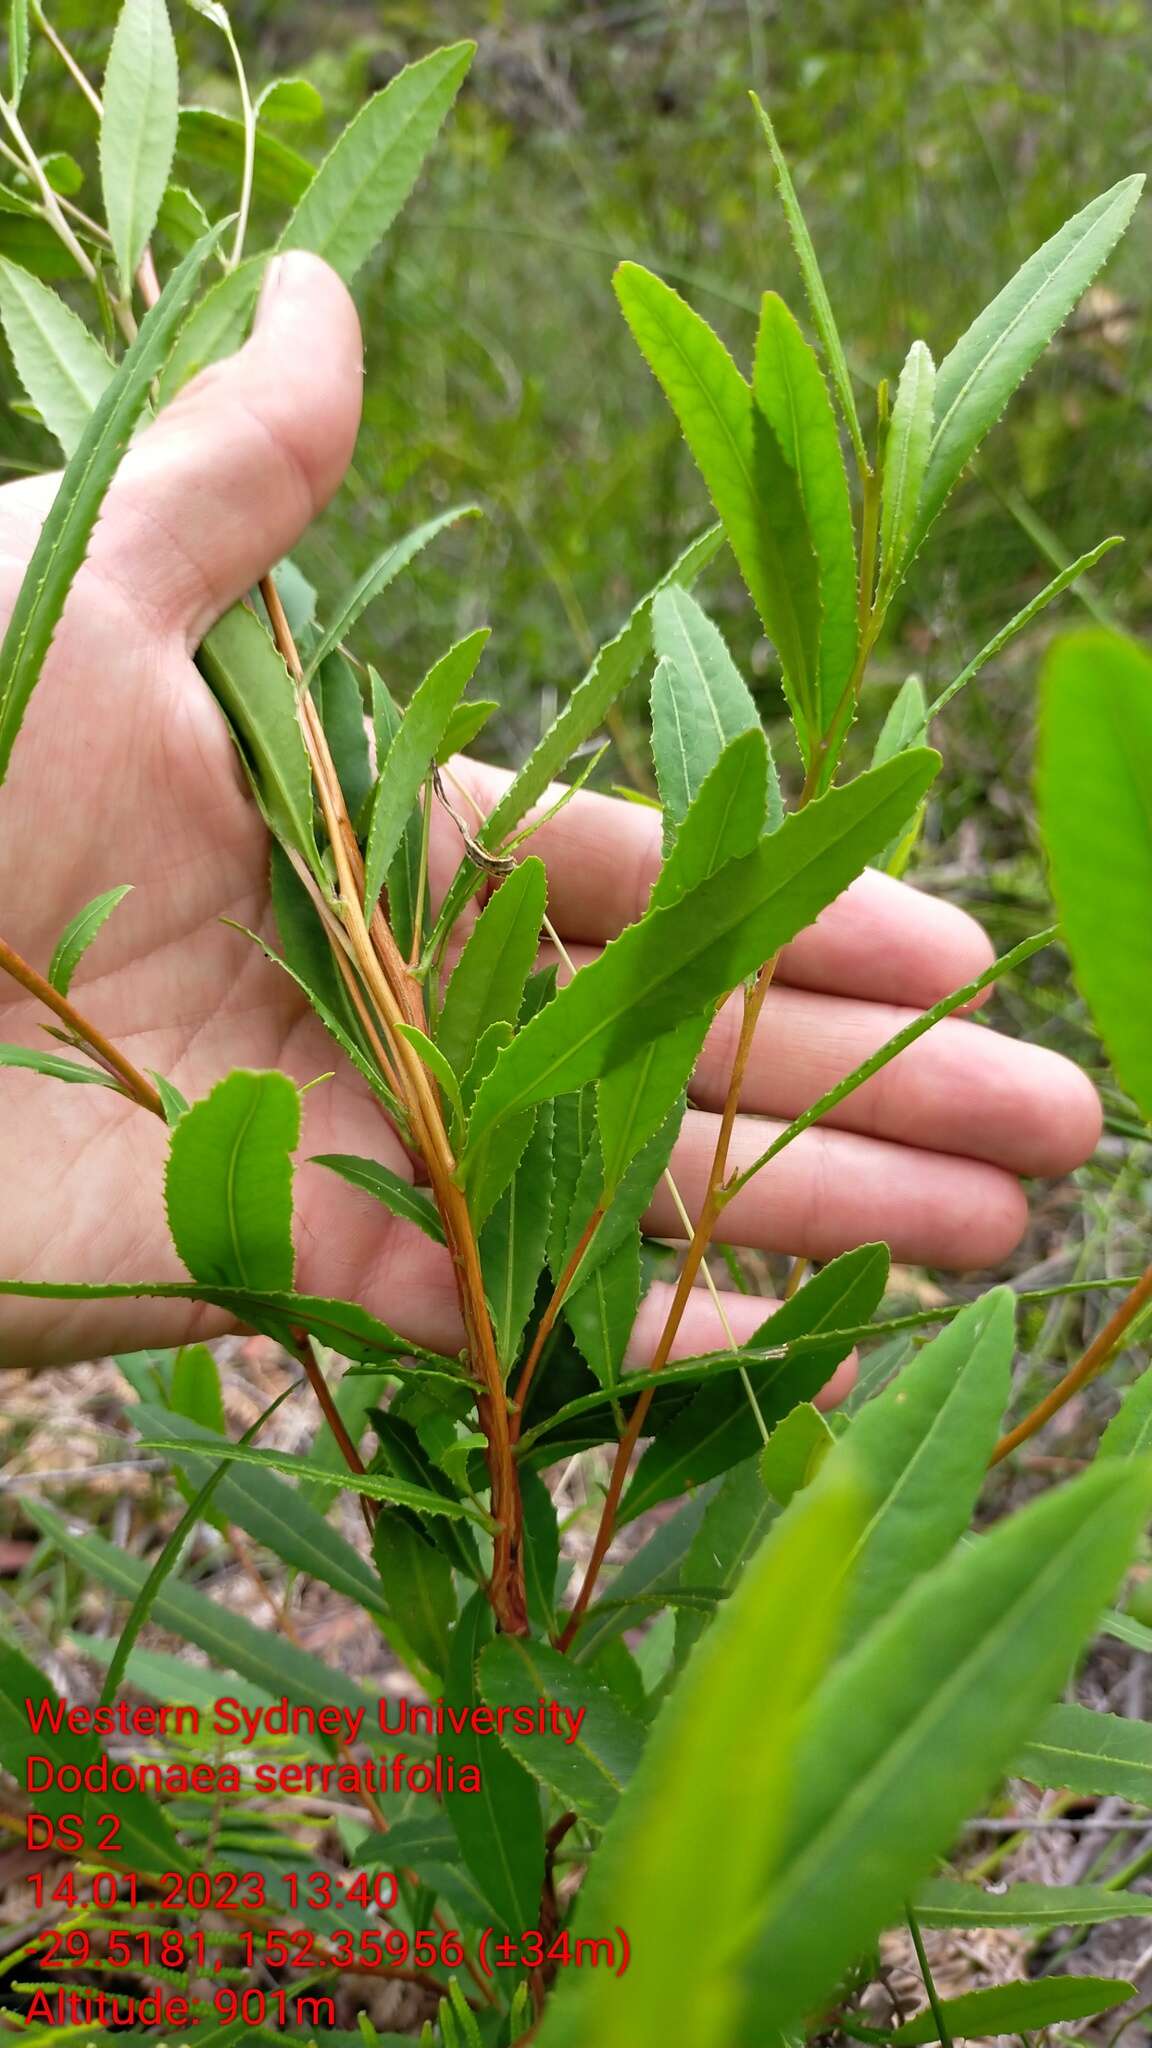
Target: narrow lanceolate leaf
point(685, 1799)
point(247, 676)
point(634, 1101)
point(1129, 1434)
point(66, 531)
point(342, 1325)
point(270, 1511)
point(1077, 1750)
point(336, 695)
point(420, 1599)
point(905, 722)
point(959, 1671)
point(17, 48)
point(589, 1761)
point(700, 700)
point(1014, 2009)
point(411, 754)
point(360, 188)
point(921, 1449)
point(735, 1522)
point(77, 936)
point(677, 961)
point(500, 1830)
point(727, 814)
point(945, 1904)
point(1094, 789)
point(390, 1188)
point(976, 380)
point(228, 1184)
point(790, 390)
point(719, 1426)
point(378, 576)
point(818, 300)
point(62, 367)
point(53, 1066)
point(514, 1241)
point(375, 1485)
point(906, 456)
point(751, 484)
point(138, 131)
point(794, 1453)
point(601, 1313)
point(488, 981)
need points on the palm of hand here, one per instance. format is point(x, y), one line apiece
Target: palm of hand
point(124, 772)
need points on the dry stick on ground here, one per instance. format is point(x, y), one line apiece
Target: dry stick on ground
point(1086, 1368)
point(397, 998)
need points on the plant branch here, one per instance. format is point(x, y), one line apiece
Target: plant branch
point(64, 53)
point(1094, 1359)
point(547, 1321)
point(134, 1084)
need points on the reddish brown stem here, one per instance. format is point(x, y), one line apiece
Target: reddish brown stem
point(1093, 1361)
point(134, 1084)
point(548, 1319)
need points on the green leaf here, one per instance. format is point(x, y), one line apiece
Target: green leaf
point(1081, 1751)
point(379, 574)
point(418, 1593)
point(921, 1450)
point(794, 1453)
point(1129, 1434)
point(958, 1671)
point(217, 141)
point(51, 1064)
point(408, 1458)
point(790, 390)
point(78, 935)
point(216, 327)
point(17, 48)
point(67, 529)
point(247, 676)
point(488, 982)
point(685, 1800)
point(590, 1762)
point(466, 721)
point(945, 1904)
point(181, 218)
point(343, 1325)
point(735, 1523)
point(630, 1199)
point(718, 1426)
point(257, 1501)
point(818, 300)
point(906, 457)
point(62, 367)
point(361, 186)
point(1015, 2008)
point(976, 380)
point(514, 1242)
point(146, 1838)
point(336, 695)
point(700, 700)
point(194, 1393)
point(541, 1551)
point(751, 485)
point(435, 1062)
point(228, 1186)
point(905, 722)
point(258, 1654)
point(411, 754)
point(138, 131)
point(634, 1101)
point(397, 1195)
point(499, 1828)
point(650, 1576)
point(174, 1104)
point(725, 818)
point(290, 99)
point(601, 1313)
point(1094, 791)
point(677, 961)
point(372, 1484)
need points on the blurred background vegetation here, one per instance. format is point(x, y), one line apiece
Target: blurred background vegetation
point(935, 143)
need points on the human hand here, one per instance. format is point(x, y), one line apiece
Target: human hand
point(124, 772)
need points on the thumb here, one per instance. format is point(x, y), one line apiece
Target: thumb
point(237, 467)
